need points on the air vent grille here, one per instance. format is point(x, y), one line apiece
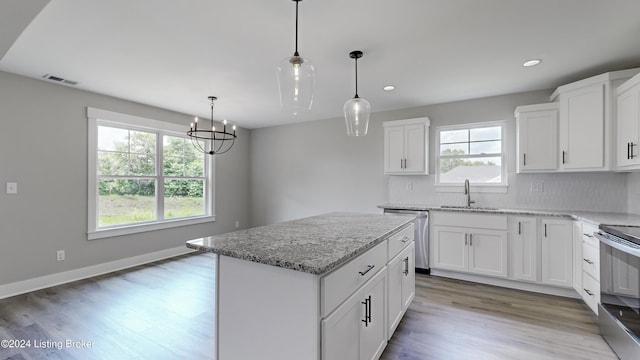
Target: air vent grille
point(59, 79)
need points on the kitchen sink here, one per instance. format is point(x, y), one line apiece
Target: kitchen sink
point(467, 207)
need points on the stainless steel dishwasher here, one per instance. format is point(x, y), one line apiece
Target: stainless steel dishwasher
point(421, 228)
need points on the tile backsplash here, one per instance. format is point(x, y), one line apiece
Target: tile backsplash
point(606, 191)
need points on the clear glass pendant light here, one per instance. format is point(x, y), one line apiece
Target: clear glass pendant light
point(296, 80)
point(357, 110)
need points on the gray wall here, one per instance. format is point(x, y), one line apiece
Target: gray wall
point(311, 168)
point(43, 147)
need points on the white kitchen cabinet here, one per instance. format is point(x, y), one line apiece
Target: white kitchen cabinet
point(587, 113)
point(406, 144)
point(356, 330)
point(470, 243)
point(524, 248)
point(401, 286)
point(577, 256)
point(557, 252)
point(537, 137)
point(589, 261)
point(628, 116)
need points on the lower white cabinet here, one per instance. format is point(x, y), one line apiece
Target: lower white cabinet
point(471, 249)
point(557, 252)
point(401, 286)
point(524, 248)
point(356, 330)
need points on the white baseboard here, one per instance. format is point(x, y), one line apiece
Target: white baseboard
point(25, 286)
point(513, 284)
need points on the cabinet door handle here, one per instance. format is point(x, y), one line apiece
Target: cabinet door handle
point(524, 159)
point(406, 263)
point(466, 239)
point(369, 267)
point(588, 261)
point(587, 235)
point(628, 150)
point(545, 230)
point(470, 239)
point(405, 239)
point(563, 157)
point(519, 228)
point(367, 310)
point(588, 292)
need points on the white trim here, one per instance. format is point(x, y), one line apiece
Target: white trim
point(476, 188)
point(110, 116)
point(508, 283)
point(423, 120)
point(138, 228)
point(46, 281)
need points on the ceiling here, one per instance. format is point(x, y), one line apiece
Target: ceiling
point(173, 54)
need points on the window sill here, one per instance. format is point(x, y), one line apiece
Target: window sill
point(495, 189)
point(139, 228)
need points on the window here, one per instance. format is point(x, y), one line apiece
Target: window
point(471, 151)
point(144, 175)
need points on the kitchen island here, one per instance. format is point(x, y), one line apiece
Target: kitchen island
point(313, 288)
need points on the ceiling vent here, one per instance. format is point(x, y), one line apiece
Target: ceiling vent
point(59, 79)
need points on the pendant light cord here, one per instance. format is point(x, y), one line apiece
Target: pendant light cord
point(356, 59)
point(296, 53)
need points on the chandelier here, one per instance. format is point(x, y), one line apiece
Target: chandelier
point(209, 140)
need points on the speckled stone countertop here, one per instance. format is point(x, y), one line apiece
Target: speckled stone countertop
point(313, 245)
point(593, 217)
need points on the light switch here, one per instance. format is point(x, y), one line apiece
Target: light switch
point(12, 188)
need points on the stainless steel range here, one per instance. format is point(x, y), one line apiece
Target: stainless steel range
point(619, 318)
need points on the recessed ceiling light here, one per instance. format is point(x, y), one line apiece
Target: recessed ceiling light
point(532, 62)
point(389, 88)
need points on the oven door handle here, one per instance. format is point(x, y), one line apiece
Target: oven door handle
point(617, 245)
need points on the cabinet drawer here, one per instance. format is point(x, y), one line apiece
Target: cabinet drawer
point(591, 260)
point(344, 281)
point(590, 292)
point(400, 240)
point(587, 234)
point(479, 221)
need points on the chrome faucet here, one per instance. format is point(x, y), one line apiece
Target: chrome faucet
point(468, 193)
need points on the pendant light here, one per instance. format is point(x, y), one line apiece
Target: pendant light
point(209, 140)
point(356, 110)
point(296, 80)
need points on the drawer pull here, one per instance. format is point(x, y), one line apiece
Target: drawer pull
point(588, 261)
point(587, 235)
point(588, 292)
point(369, 267)
point(405, 239)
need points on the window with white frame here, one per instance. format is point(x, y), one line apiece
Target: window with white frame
point(471, 151)
point(144, 175)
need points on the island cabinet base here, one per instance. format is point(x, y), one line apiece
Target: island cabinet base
point(266, 312)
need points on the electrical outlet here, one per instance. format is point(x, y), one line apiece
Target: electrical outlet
point(537, 187)
point(237, 224)
point(60, 255)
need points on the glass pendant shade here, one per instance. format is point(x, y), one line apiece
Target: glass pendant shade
point(296, 81)
point(356, 114)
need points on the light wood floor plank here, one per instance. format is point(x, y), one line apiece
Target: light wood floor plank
point(165, 310)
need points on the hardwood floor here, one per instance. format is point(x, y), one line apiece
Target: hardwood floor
point(165, 311)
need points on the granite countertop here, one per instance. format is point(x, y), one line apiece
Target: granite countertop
point(593, 217)
point(313, 245)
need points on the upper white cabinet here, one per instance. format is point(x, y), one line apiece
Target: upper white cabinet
point(586, 122)
point(537, 142)
point(628, 106)
point(406, 144)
